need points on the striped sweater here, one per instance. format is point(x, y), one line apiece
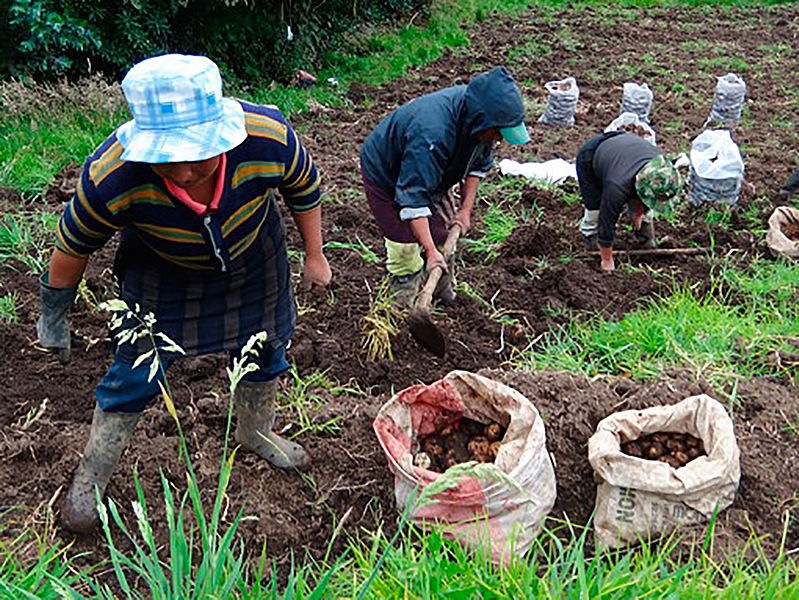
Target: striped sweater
point(114, 194)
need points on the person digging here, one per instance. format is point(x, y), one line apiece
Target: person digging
point(190, 183)
point(617, 170)
point(417, 154)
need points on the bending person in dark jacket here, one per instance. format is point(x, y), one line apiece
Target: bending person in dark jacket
point(617, 170)
point(418, 153)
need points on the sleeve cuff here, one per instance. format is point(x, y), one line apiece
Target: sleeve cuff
point(480, 174)
point(406, 214)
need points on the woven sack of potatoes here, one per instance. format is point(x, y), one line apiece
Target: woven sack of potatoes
point(495, 510)
point(782, 236)
point(638, 498)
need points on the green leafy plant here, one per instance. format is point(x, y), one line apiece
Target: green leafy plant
point(8, 309)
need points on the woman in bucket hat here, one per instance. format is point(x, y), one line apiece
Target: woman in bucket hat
point(617, 170)
point(189, 182)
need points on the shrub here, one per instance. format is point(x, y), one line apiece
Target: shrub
point(249, 39)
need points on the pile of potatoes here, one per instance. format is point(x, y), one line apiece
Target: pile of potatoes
point(676, 449)
point(466, 440)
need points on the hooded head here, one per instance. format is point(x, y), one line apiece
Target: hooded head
point(494, 101)
point(658, 183)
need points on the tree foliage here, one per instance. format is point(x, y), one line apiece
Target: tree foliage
point(250, 39)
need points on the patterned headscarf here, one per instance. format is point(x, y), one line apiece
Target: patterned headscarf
point(658, 183)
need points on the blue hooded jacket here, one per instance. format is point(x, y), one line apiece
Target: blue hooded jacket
point(428, 144)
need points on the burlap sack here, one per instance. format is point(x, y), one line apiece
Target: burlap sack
point(638, 498)
point(480, 514)
point(783, 219)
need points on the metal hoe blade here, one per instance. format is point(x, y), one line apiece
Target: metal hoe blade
point(426, 333)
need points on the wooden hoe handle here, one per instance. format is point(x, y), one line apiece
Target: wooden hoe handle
point(426, 296)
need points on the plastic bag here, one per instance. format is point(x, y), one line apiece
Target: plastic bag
point(478, 513)
point(562, 102)
point(717, 168)
point(637, 498)
point(637, 99)
point(782, 236)
point(728, 101)
point(632, 122)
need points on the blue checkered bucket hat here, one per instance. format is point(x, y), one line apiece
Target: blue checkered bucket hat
point(179, 114)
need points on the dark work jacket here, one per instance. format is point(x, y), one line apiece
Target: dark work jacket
point(616, 163)
point(427, 145)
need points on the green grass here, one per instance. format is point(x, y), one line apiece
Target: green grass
point(359, 247)
point(8, 309)
point(732, 329)
point(27, 239)
point(302, 400)
point(499, 212)
point(32, 564)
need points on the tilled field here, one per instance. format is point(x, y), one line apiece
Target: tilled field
point(537, 278)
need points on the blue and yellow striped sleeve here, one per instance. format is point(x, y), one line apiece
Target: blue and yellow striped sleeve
point(300, 185)
point(87, 223)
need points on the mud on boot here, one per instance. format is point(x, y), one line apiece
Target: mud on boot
point(405, 288)
point(255, 411)
point(646, 235)
point(591, 242)
point(107, 439)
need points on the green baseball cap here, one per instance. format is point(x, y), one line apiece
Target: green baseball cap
point(658, 183)
point(515, 135)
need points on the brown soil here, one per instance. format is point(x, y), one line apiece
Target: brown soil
point(539, 278)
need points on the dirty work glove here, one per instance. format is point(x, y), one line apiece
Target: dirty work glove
point(52, 326)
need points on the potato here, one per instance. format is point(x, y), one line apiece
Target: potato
point(694, 453)
point(433, 445)
point(422, 460)
point(478, 445)
point(660, 437)
point(682, 458)
point(656, 450)
point(675, 443)
point(632, 449)
point(494, 448)
point(494, 432)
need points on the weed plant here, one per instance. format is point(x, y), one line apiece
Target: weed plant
point(380, 324)
point(27, 239)
point(305, 397)
point(8, 309)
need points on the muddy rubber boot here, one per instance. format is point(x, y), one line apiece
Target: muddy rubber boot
point(405, 288)
point(107, 439)
point(646, 235)
point(255, 409)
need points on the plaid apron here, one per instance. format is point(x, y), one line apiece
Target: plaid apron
point(211, 311)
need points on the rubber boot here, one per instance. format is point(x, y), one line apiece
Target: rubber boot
point(405, 288)
point(646, 235)
point(255, 409)
point(107, 439)
point(53, 326)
